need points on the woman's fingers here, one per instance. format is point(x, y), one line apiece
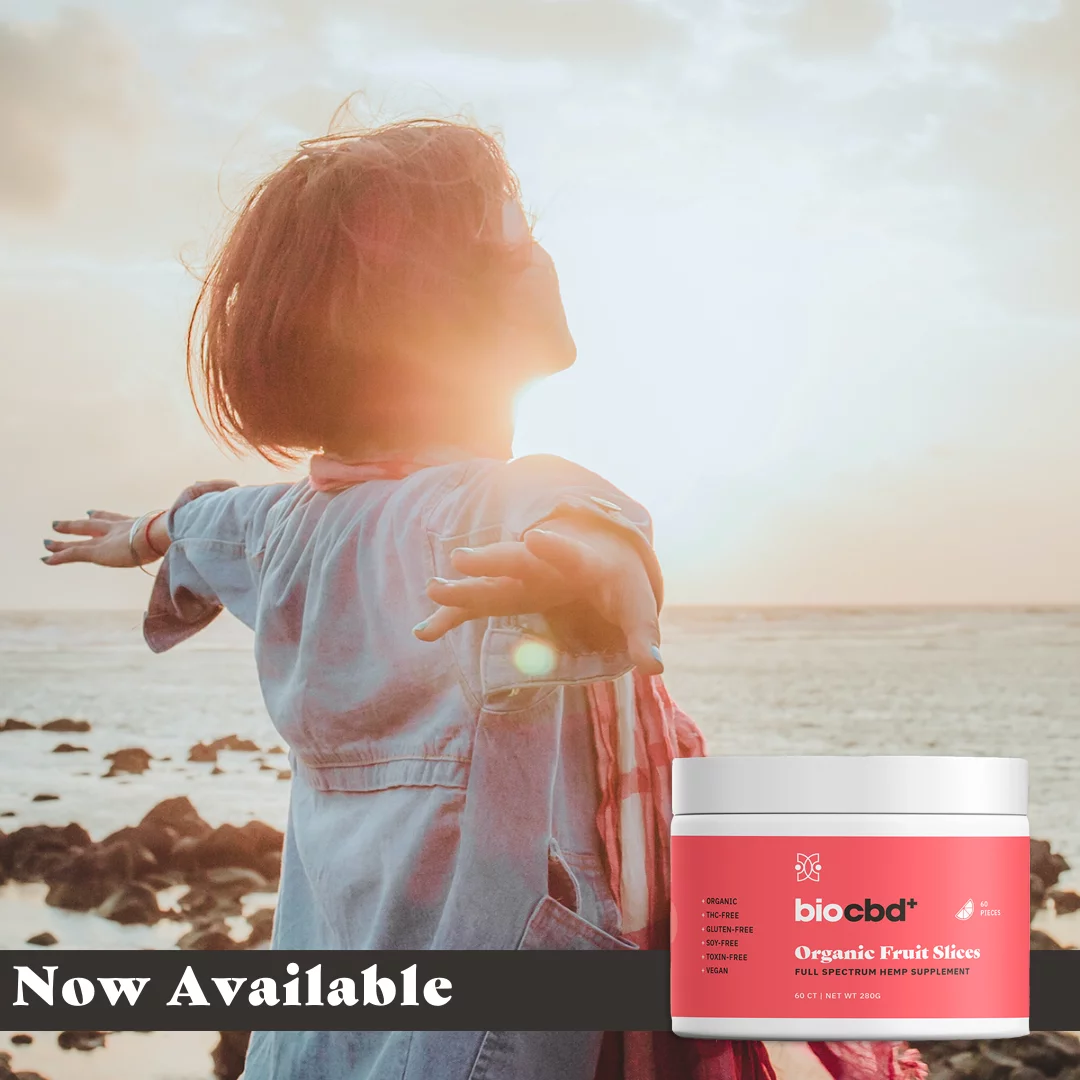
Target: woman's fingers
point(444, 618)
point(67, 552)
point(487, 596)
point(506, 558)
point(637, 617)
point(570, 557)
point(88, 526)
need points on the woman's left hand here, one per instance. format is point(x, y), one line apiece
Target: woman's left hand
point(564, 562)
point(106, 540)
point(107, 535)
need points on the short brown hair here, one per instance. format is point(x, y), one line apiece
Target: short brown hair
point(330, 259)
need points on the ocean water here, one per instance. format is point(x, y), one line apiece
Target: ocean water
point(757, 681)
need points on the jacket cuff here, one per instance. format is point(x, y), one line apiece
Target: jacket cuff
point(175, 613)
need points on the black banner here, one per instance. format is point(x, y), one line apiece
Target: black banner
point(150, 990)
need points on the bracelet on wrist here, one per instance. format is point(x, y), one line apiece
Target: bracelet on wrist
point(146, 533)
point(138, 526)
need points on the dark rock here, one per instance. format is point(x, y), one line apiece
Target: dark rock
point(44, 797)
point(994, 1064)
point(7, 813)
point(1046, 864)
point(1042, 942)
point(228, 1056)
point(159, 840)
point(44, 938)
point(8, 1073)
point(201, 907)
point(254, 845)
point(21, 1040)
point(217, 770)
point(284, 774)
point(202, 752)
point(1065, 901)
point(81, 1040)
point(1066, 1045)
point(276, 750)
point(11, 724)
point(266, 767)
point(177, 813)
point(91, 875)
point(964, 1064)
point(184, 853)
point(1033, 1057)
point(33, 851)
point(1038, 894)
point(1048, 1052)
point(235, 880)
point(1026, 1072)
point(234, 742)
point(262, 927)
point(132, 903)
point(67, 748)
point(133, 759)
point(66, 725)
point(212, 938)
point(77, 897)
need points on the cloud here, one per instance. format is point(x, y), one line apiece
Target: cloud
point(597, 30)
point(830, 27)
point(58, 81)
point(1017, 143)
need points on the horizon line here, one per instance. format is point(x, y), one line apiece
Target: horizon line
point(836, 606)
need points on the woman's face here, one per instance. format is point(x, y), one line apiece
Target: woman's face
point(535, 333)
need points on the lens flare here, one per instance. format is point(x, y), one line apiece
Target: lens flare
point(534, 658)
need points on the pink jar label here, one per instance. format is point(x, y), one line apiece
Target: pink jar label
point(849, 926)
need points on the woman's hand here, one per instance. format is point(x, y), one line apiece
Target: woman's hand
point(106, 544)
point(566, 561)
point(108, 535)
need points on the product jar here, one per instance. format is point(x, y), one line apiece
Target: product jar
point(828, 898)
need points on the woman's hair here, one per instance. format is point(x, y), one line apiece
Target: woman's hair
point(359, 244)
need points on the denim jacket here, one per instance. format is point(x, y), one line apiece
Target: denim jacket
point(444, 794)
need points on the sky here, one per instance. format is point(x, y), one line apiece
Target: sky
point(821, 259)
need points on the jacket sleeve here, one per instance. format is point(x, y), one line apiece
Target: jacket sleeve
point(213, 561)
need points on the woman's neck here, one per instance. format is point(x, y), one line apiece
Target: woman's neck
point(474, 425)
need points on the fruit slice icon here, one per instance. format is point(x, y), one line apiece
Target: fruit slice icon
point(967, 910)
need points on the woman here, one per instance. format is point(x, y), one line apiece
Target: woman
point(380, 301)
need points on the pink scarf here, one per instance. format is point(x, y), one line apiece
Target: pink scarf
point(637, 732)
point(331, 474)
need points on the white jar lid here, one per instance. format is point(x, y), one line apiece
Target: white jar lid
point(849, 785)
